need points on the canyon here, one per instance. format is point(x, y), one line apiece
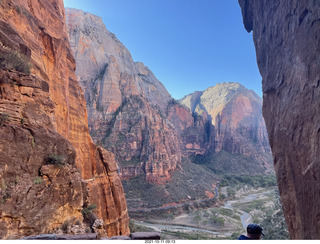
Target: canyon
point(153, 136)
point(51, 171)
point(53, 174)
point(286, 38)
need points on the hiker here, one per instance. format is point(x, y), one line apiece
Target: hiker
point(254, 232)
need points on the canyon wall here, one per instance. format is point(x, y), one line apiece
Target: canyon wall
point(236, 114)
point(286, 35)
point(43, 115)
point(127, 105)
point(132, 114)
point(160, 144)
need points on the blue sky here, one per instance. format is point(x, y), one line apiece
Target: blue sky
point(189, 45)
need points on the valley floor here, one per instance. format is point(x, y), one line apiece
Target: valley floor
point(225, 222)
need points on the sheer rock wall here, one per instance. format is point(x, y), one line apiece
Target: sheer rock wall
point(56, 123)
point(286, 35)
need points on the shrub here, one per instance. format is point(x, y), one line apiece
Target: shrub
point(173, 102)
point(250, 180)
point(64, 227)
point(15, 61)
point(231, 192)
point(33, 143)
point(206, 214)
point(87, 213)
point(222, 197)
point(3, 118)
point(37, 180)
point(57, 160)
point(220, 221)
point(4, 198)
point(197, 219)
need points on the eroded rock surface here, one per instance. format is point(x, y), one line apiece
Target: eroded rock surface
point(32, 187)
point(45, 114)
point(127, 105)
point(155, 138)
point(286, 35)
point(236, 114)
point(132, 114)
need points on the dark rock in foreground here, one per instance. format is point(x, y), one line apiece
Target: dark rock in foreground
point(94, 236)
point(145, 236)
point(62, 237)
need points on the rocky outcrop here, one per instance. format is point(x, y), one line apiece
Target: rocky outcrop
point(286, 37)
point(50, 168)
point(62, 237)
point(236, 114)
point(195, 132)
point(127, 105)
point(32, 186)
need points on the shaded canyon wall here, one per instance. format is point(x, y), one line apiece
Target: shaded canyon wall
point(45, 114)
point(286, 35)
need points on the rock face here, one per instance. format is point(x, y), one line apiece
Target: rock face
point(155, 138)
point(236, 114)
point(127, 105)
point(132, 114)
point(50, 168)
point(286, 35)
point(31, 187)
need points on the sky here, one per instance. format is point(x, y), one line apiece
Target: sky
point(189, 45)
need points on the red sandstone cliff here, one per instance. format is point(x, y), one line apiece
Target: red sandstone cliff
point(236, 114)
point(152, 135)
point(42, 115)
point(127, 105)
point(132, 114)
point(286, 37)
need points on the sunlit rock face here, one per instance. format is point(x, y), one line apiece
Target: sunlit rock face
point(236, 114)
point(45, 114)
point(286, 37)
point(127, 105)
point(132, 114)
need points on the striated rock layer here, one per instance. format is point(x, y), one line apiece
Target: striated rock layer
point(287, 36)
point(42, 115)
